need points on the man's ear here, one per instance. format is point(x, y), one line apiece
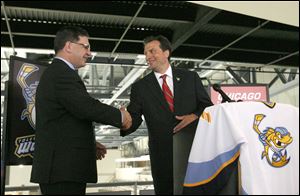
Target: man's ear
point(67, 47)
point(167, 53)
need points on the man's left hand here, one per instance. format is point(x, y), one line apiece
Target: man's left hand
point(185, 120)
point(100, 151)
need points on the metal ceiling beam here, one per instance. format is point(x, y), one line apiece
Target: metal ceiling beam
point(182, 34)
point(237, 49)
point(282, 58)
point(49, 35)
point(27, 34)
point(281, 76)
point(235, 41)
point(245, 74)
point(8, 27)
point(292, 75)
point(274, 80)
point(236, 78)
point(126, 82)
point(128, 27)
point(86, 18)
point(254, 80)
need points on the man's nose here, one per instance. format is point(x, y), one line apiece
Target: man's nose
point(148, 56)
point(89, 53)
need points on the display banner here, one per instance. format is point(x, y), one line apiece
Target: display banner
point(24, 77)
point(252, 92)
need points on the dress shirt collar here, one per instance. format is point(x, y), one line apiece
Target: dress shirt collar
point(67, 62)
point(168, 73)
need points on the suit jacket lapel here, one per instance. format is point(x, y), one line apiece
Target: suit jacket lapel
point(177, 83)
point(156, 91)
point(177, 86)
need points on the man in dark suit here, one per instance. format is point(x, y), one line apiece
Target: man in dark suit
point(171, 106)
point(65, 147)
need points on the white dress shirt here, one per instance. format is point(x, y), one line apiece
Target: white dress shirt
point(169, 79)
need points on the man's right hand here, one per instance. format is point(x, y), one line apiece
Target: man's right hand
point(127, 120)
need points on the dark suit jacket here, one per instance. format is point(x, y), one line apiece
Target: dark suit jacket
point(147, 99)
point(64, 138)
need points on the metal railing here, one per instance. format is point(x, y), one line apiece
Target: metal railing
point(132, 187)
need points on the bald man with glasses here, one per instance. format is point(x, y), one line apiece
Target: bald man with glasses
point(65, 147)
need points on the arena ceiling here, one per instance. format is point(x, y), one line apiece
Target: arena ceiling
point(196, 31)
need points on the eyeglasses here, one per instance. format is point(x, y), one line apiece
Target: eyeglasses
point(86, 46)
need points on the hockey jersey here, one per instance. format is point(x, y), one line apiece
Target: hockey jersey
point(263, 137)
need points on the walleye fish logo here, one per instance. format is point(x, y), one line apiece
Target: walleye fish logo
point(25, 146)
point(275, 142)
point(28, 92)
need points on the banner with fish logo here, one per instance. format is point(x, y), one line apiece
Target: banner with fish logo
point(24, 77)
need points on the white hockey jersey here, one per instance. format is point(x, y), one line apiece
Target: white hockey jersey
point(263, 136)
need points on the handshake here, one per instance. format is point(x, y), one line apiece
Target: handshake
point(126, 119)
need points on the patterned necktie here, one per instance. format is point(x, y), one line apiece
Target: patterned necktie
point(167, 93)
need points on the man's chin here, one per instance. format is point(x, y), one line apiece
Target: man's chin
point(151, 66)
point(84, 63)
point(81, 65)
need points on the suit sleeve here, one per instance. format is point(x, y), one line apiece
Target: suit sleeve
point(203, 98)
point(135, 108)
point(71, 93)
